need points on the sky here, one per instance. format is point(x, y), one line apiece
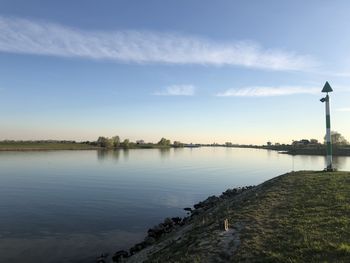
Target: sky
point(189, 70)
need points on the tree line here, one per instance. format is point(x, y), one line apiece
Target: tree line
point(116, 142)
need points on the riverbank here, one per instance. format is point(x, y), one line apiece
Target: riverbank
point(68, 145)
point(321, 150)
point(56, 146)
point(45, 146)
point(301, 217)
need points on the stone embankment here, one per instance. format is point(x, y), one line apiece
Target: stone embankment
point(175, 224)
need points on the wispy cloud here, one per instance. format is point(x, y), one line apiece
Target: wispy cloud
point(41, 38)
point(343, 109)
point(268, 91)
point(177, 90)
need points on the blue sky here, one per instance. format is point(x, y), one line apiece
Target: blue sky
point(195, 71)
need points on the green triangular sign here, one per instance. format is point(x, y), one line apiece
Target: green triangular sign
point(327, 87)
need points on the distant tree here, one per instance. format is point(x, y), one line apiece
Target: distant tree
point(140, 142)
point(164, 142)
point(269, 143)
point(337, 139)
point(126, 143)
point(314, 141)
point(115, 141)
point(178, 144)
point(102, 141)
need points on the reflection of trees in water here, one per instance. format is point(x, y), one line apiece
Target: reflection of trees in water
point(178, 150)
point(126, 153)
point(339, 162)
point(116, 154)
point(108, 154)
point(101, 154)
point(164, 152)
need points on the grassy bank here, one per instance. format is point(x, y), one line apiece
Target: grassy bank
point(320, 150)
point(32, 146)
point(42, 146)
point(296, 217)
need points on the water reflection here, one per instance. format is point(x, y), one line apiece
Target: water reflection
point(101, 154)
point(340, 162)
point(164, 153)
point(56, 195)
point(108, 154)
point(178, 150)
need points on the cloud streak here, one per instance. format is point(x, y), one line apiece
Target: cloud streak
point(177, 90)
point(32, 37)
point(268, 91)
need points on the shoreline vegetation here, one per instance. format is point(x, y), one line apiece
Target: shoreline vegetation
point(102, 143)
point(296, 217)
point(296, 148)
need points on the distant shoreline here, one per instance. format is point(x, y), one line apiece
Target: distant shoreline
point(320, 151)
point(75, 146)
point(44, 146)
point(44, 149)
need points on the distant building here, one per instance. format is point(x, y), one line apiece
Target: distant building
point(140, 142)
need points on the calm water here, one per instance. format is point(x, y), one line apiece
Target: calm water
point(68, 206)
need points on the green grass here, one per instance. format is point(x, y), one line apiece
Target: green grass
point(28, 145)
point(297, 217)
point(19, 146)
point(301, 217)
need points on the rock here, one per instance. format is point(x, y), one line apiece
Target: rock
point(119, 255)
point(199, 205)
point(149, 241)
point(235, 191)
point(141, 246)
point(176, 220)
point(138, 247)
point(156, 231)
point(168, 222)
point(197, 212)
point(102, 258)
point(229, 193)
point(185, 220)
point(208, 203)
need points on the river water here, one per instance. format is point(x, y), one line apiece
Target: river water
point(69, 206)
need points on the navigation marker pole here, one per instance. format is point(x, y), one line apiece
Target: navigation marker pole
point(327, 88)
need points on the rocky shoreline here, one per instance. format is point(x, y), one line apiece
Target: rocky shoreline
point(169, 225)
point(295, 217)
